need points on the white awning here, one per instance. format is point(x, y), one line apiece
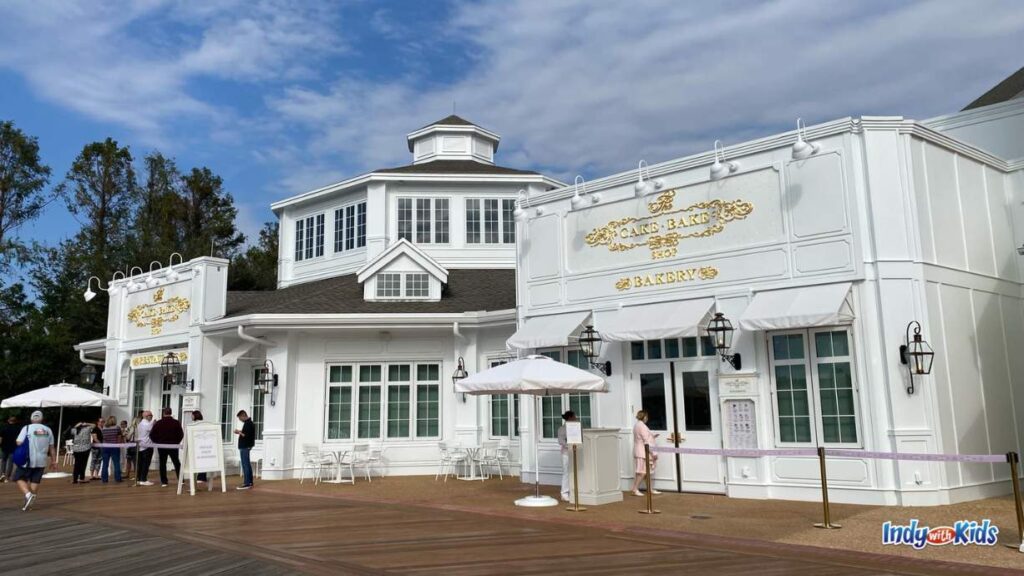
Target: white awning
point(655, 321)
point(230, 359)
point(825, 305)
point(547, 331)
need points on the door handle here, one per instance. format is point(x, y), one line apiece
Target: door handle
point(672, 437)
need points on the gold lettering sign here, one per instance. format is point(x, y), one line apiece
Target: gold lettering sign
point(665, 278)
point(152, 360)
point(159, 312)
point(665, 227)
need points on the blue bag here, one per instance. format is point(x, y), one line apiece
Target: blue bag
point(21, 453)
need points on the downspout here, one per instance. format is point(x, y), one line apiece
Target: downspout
point(253, 339)
point(90, 361)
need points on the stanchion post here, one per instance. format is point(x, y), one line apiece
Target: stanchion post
point(647, 470)
point(136, 465)
point(575, 483)
point(1014, 460)
point(827, 524)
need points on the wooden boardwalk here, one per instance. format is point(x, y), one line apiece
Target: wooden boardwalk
point(119, 529)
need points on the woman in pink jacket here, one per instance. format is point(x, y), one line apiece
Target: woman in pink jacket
point(642, 436)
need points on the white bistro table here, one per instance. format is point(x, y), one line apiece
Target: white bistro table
point(339, 463)
point(472, 452)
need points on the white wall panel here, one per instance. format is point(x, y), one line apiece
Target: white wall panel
point(921, 186)
point(816, 195)
point(542, 248)
point(974, 207)
point(1001, 218)
point(1013, 326)
point(940, 379)
point(995, 377)
point(945, 208)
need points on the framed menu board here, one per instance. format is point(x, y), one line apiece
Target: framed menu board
point(741, 424)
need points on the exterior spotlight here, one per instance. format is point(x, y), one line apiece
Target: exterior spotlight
point(112, 287)
point(720, 331)
point(539, 211)
point(801, 148)
point(590, 346)
point(152, 282)
point(577, 200)
point(1020, 250)
point(172, 276)
point(459, 374)
point(721, 169)
point(89, 294)
point(916, 354)
point(647, 186)
point(520, 212)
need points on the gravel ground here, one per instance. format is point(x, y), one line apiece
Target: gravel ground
point(770, 520)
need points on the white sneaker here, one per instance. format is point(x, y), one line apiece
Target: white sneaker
point(637, 493)
point(145, 483)
point(163, 485)
point(29, 498)
point(655, 492)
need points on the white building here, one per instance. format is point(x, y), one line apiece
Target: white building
point(821, 253)
point(386, 281)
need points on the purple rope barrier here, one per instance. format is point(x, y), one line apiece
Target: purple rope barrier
point(753, 453)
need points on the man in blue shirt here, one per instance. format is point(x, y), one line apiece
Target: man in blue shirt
point(41, 448)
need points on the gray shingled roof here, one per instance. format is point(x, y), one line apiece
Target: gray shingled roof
point(466, 291)
point(453, 167)
point(451, 120)
point(1011, 86)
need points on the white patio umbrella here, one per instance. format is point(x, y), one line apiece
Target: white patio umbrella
point(54, 396)
point(537, 376)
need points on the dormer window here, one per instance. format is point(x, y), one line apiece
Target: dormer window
point(405, 285)
point(423, 220)
point(309, 237)
point(389, 285)
point(490, 221)
point(402, 272)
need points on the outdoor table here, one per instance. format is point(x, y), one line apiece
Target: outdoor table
point(339, 459)
point(471, 454)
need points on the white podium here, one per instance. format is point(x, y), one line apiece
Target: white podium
point(599, 467)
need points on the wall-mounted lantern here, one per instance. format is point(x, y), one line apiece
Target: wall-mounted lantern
point(459, 374)
point(88, 376)
point(720, 331)
point(173, 372)
point(266, 381)
point(916, 354)
point(590, 342)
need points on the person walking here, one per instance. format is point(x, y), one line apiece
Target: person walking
point(81, 446)
point(569, 416)
point(197, 416)
point(167, 431)
point(246, 441)
point(97, 453)
point(8, 442)
point(131, 453)
point(112, 434)
point(41, 446)
point(642, 437)
point(145, 448)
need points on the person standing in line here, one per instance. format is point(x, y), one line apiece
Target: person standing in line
point(97, 453)
point(246, 441)
point(569, 416)
point(642, 437)
point(131, 453)
point(145, 448)
point(167, 431)
point(81, 445)
point(111, 435)
point(197, 416)
point(8, 442)
point(41, 447)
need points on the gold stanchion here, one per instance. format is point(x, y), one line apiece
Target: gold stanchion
point(647, 469)
point(575, 484)
point(827, 524)
point(1013, 460)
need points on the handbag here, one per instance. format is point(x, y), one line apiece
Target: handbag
point(22, 452)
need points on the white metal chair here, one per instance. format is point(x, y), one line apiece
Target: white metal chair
point(503, 457)
point(69, 457)
point(488, 456)
point(376, 460)
point(314, 461)
point(451, 456)
point(360, 458)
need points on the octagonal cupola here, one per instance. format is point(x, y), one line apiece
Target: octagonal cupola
point(453, 138)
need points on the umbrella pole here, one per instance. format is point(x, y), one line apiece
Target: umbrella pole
point(60, 428)
point(536, 446)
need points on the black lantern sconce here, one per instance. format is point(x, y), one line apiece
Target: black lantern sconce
point(88, 376)
point(590, 346)
point(459, 374)
point(720, 331)
point(174, 373)
point(916, 354)
point(266, 382)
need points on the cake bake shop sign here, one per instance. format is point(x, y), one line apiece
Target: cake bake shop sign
point(665, 226)
point(160, 311)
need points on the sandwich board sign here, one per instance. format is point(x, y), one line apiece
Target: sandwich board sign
point(204, 452)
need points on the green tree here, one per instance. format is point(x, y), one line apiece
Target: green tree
point(208, 225)
point(23, 176)
point(256, 268)
point(158, 219)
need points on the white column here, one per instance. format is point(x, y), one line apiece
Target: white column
point(279, 419)
point(377, 217)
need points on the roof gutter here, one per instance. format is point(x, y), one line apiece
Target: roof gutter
point(254, 339)
point(90, 361)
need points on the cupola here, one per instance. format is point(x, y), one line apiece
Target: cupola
point(453, 138)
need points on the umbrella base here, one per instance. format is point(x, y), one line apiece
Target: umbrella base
point(536, 501)
point(56, 475)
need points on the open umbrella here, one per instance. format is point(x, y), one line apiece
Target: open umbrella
point(537, 376)
point(54, 396)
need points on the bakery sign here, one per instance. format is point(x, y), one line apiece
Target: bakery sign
point(661, 230)
point(157, 313)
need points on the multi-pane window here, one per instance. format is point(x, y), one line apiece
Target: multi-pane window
point(309, 237)
point(389, 285)
point(138, 393)
point(423, 220)
point(672, 348)
point(417, 285)
point(815, 394)
point(504, 411)
point(490, 221)
point(350, 227)
point(227, 401)
point(165, 392)
point(257, 403)
point(552, 407)
point(399, 400)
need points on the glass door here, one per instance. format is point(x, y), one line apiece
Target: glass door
point(699, 425)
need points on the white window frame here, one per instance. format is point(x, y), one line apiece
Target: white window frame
point(310, 232)
point(380, 286)
point(342, 237)
point(513, 403)
point(563, 356)
point(227, 381)
point(403, 286)
point(414, 219)
point(502, 220)
point(811, 361)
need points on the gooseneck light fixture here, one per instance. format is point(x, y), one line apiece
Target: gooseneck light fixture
point(720, 331)
point(520, 212)
point(722, 167)
point(590, 342)
point(916, 354)
point(266, 381)
point(801, 148)
point(648, 186)
point(459, 374)
point(89, 294)
point(580, 200)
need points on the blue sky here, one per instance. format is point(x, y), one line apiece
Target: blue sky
point(279, 97)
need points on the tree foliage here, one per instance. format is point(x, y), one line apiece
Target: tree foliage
point(256, 268)
point(23, 176)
